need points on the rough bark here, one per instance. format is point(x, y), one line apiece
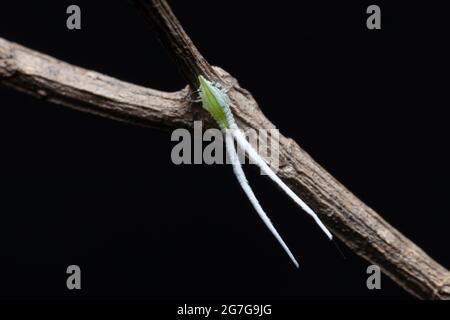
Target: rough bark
point(357, 225)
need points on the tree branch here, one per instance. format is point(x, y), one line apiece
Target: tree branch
point(357, 225)
point(55, 81)
point(174, 38)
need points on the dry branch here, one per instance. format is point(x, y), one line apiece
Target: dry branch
point(357, 225)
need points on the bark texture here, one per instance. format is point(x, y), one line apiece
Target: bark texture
point(357, 225)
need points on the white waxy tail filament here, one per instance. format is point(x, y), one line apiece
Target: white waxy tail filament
point(231, 151)
point(256, 158)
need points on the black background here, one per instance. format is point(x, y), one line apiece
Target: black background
point(370, 106)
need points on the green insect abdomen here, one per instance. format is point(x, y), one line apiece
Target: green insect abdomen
point(216, 103)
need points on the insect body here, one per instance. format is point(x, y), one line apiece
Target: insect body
point(216, 101)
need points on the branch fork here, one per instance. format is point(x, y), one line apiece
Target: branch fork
point(357, 225)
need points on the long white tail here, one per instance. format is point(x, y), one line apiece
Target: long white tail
point(256, 158)
point(231, 151)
